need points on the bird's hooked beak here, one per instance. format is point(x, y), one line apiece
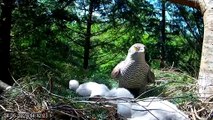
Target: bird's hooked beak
point(139, 49)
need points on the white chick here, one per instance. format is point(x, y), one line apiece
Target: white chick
point(73, 84)
point(91, 89)
point(123, 97)
point(119, 93)
point(156, 109)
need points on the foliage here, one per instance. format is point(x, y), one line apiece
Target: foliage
point(55, 34)
point(180, 87)
point(48, 39)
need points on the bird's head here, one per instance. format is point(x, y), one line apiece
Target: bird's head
point(137, 51)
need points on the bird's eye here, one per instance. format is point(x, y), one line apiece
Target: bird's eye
point(142, 49)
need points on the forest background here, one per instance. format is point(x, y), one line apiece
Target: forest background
point(84, 39)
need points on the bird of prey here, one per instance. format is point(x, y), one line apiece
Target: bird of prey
point(134, 73)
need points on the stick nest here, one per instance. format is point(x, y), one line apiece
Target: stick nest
point(40, 102)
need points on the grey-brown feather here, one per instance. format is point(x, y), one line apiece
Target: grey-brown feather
point(133, 73)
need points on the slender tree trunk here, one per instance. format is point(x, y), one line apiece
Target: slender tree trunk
point(87, 43)
point(5, 28)
point(205, 79)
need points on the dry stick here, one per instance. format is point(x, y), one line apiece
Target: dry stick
point(171, 66)
point(175, 110)
point(65, 113)
point(53, 93)
point(75, 110)
point(44, 105)
point(192, 112)
point(14, 79)
point(151, 101)
point(209, 99)
point(197, 116)
point(3, 108)
point(105, 100)
point(159, 100)
point(209, 115)
point(50, 83)
point(148, 111)
point(77, 114)
point(201, 109)
point(16, 82)
point(150, 90)
point(17, 105)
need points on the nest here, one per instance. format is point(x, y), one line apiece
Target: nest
point(40, 103)
point(28, 105)
point(198, 110)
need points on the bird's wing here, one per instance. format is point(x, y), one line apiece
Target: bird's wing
point(116, 71)
point(150, 76)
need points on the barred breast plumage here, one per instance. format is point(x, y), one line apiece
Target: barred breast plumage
point(133, 75)
point(134, 72)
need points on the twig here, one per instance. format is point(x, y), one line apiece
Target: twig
point(201, 109)
point(172, 66)
point(17, 105)
point(65, 113)
point(210, 113)
point(14, 79)
point(3, 108)
point(44, 105)
point(192, 113)
point(63, 109)
point(54, 94)
point(197, 116)
point(147, 110)
point(151, 90)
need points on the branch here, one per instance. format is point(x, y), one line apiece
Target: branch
point(4, 86)
point(190, 3)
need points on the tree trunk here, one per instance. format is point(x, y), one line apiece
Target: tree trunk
point(163, 35)
point(87, 43)
point(205, 79)
point(5, 28)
